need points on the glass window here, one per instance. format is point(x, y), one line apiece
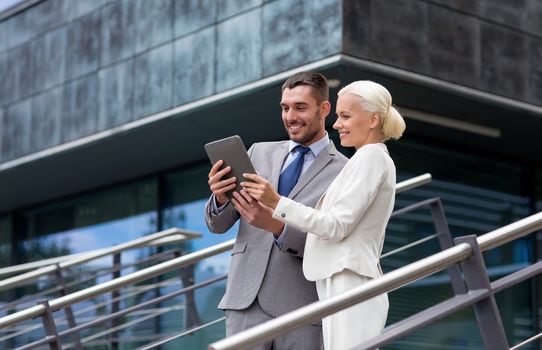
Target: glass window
point(5, 240)
point(87, 222)
point(538, 182)
point(8, 4)
point(538, 250)
point(93, 221)
point(478, 194)
point(187, 192)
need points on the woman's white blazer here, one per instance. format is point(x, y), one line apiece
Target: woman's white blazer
point(346, 228)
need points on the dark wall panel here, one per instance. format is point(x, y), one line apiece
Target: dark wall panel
point(46, 119)
point(194, 66)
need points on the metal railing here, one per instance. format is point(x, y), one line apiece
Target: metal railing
point(77, 271)
point(467, 251)
point(46, 308)
point(172, 235)
point(106, 287)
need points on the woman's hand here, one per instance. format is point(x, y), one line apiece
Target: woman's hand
point(261, 190)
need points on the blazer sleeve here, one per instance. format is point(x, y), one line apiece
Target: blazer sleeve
point(223, 221)
point(294, 241)
point(360, 182)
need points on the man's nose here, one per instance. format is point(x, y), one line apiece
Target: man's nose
point(290, 115)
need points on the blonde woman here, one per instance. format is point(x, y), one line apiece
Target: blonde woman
point(347, 226)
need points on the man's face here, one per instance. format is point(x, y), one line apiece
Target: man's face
point(302, 115)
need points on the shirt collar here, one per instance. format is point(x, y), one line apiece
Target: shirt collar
point(316, 147)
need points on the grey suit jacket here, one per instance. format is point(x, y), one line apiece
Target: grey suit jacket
point(258, 267)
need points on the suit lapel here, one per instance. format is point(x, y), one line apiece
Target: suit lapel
point(319, 163)
point(277, 160)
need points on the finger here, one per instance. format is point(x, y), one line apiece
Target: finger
point(223, 172)
point(227, 181)
point(244, 200)
point(246, 185)
point(254, 177)
point(248, 198)
point(215, 167)
point(221, 183)
point(217, 177)
point(238, 206)
point(218, 190)
point(254, 193)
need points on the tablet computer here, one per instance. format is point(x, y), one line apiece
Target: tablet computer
point(232, 151)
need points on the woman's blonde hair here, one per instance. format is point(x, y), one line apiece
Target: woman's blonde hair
point(377, 99)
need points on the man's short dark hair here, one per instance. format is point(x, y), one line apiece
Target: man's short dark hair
point(316, 80)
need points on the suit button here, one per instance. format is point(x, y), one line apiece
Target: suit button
point(282, 215)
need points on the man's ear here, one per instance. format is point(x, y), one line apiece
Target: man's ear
point(325, 108)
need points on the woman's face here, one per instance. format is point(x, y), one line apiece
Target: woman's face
point(354, 124)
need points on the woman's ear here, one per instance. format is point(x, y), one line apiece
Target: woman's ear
point(374, 120)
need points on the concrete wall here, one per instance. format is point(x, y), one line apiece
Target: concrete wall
point(72, 68)
point(491, 45)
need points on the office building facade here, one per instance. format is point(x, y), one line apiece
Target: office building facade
point(105, 107)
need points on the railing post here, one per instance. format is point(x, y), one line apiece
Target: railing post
point(445, 242)
point(11, 297)
point(50, 327)
point(68, 309)
point(486, 310)
point(187, 278)
point(115, 303)
point(157, 292)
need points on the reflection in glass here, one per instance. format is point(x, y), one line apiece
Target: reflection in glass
point(186, 195)
point(99, 220)
point(478, 196)
point(538, 249)
point(5, 240)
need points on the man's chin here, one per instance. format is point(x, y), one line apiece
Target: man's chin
point(299, 138)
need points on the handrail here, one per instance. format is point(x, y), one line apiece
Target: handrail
point(413, 182)
point(510, 232)
point(164, 267)
point(30, 299)
point(52, 261)
point(386, 283)
point(109, 286)
point(9, 270)
point(80, 259)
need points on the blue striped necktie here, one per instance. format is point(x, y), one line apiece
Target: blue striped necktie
point(289, 176)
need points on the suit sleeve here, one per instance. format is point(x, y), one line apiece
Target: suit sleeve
point(226, 218)
point(294, 241)
point(223, 221)
point(359, 185)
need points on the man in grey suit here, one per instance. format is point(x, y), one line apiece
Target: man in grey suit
point(265, 278)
